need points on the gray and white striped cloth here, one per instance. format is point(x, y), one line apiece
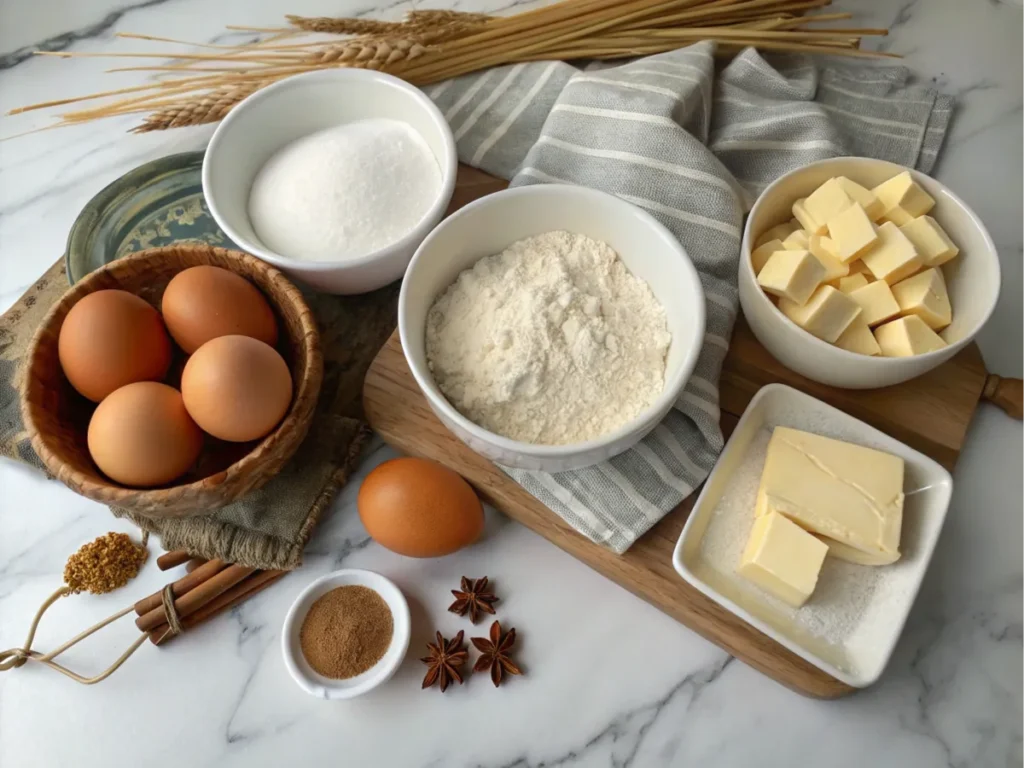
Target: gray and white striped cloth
point(693, 146)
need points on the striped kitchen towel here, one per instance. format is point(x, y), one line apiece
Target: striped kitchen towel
point(693, 146)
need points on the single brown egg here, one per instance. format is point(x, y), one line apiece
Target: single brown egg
point(203, 303)
point(141, 435)
point(419, 508)
point(112, 338)
point(236, 388)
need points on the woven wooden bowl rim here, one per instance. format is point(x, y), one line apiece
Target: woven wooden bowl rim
point(204, 495)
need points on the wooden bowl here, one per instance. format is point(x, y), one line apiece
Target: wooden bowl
point(57, 417)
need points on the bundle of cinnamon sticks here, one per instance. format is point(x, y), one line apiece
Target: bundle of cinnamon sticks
point(210, 588)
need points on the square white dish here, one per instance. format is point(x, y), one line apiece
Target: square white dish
point(851, 623)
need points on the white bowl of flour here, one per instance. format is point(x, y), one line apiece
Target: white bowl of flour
point(335, 177)
point(551, 327)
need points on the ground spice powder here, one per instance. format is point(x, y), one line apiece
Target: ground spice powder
point(346, 631)
point(103, 565)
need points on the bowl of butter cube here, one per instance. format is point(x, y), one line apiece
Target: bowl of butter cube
point(860, 273)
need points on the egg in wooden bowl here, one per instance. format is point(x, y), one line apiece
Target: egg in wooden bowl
point(58, 414)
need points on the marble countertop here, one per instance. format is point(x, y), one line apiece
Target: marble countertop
point(610, 680)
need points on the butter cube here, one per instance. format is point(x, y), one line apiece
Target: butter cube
point(907, 336)
point(903, 199)
point(779, 232)
point(797, 241)
point(930, 241)
point(782, 559)
point(863, 197)
point(826, 201)
point(894, 258)
point(792, 275)
point(852, 282)
point(925, 295)
point(843, 492)
point(760, 255)
point(858, 338)
point(826, 314)
point(858, 267)
point(811, 225)
point(876, 302)
point(852, 232)
point(824, 251)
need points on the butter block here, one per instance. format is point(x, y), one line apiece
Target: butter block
point(925, 295)
point(811, 225)
point(863, 197)
point(782, 559)
point(826, 314)
point(876, 302)
point(844, 492)
point(930, 241)
point(791, 275)
point(824, 251)
point(858, 338)
point(826, 201)
point(779, 232)
point(852, 282)
point(852, 233)
point(796, 241)
point(760, 255)
point(907, 336)
point(894, 258)
point(903, 199)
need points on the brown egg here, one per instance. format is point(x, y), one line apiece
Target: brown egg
point(141, 435)
point(419, 508)
point(202, 303)
point(236, 388)
point(112, 338)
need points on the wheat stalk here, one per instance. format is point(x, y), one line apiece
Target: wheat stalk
point(209, 108)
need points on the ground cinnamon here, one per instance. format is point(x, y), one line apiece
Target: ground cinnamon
point(346, 631)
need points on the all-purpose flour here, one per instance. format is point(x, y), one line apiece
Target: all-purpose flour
point(344, 192)
point(552, 341)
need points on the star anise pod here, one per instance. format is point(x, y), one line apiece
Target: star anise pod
point(473, 597)
point(494, 653)
point(444, 660)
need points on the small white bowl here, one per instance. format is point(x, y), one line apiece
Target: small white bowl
point(973, 279)
point(858, 611)
point(324, 687)
point(489, 225)
point(298, 106)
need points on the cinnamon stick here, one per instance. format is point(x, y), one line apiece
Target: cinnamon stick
point(172, 559)
point(194, 563)
point(181, 586)
point(239, 593)
point(196, 597)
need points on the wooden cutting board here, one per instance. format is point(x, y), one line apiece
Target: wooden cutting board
point(930, 413)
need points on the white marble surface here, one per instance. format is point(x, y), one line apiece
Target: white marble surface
point(610, 681)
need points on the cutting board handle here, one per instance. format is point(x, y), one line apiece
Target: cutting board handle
point(1006, 393)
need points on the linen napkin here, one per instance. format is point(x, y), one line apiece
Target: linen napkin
point(692, 145)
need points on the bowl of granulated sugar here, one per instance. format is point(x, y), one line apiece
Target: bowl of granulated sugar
point(335, 176)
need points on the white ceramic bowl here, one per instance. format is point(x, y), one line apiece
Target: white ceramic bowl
point(972, 277)
point(489, 225)
point(851, 623)
point(298, 106)
point(324, 687)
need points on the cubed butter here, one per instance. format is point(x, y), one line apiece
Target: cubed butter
point(826, 314)
point(863, 196)
point(903, 199)
point(782, 559)
point(791, 275)
point(760, 255)
point(930, 241)
point(807, 222)
point(826, 201)
point(852, 282)
point(858, 267)
point(907, 336)
point(852, 233)
point(779, 232)
point(876, 302)
point(858, 338)
point(796, 241)
point(843, 492)
point(894, 258)
point(925, 295)
point(825, 252)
